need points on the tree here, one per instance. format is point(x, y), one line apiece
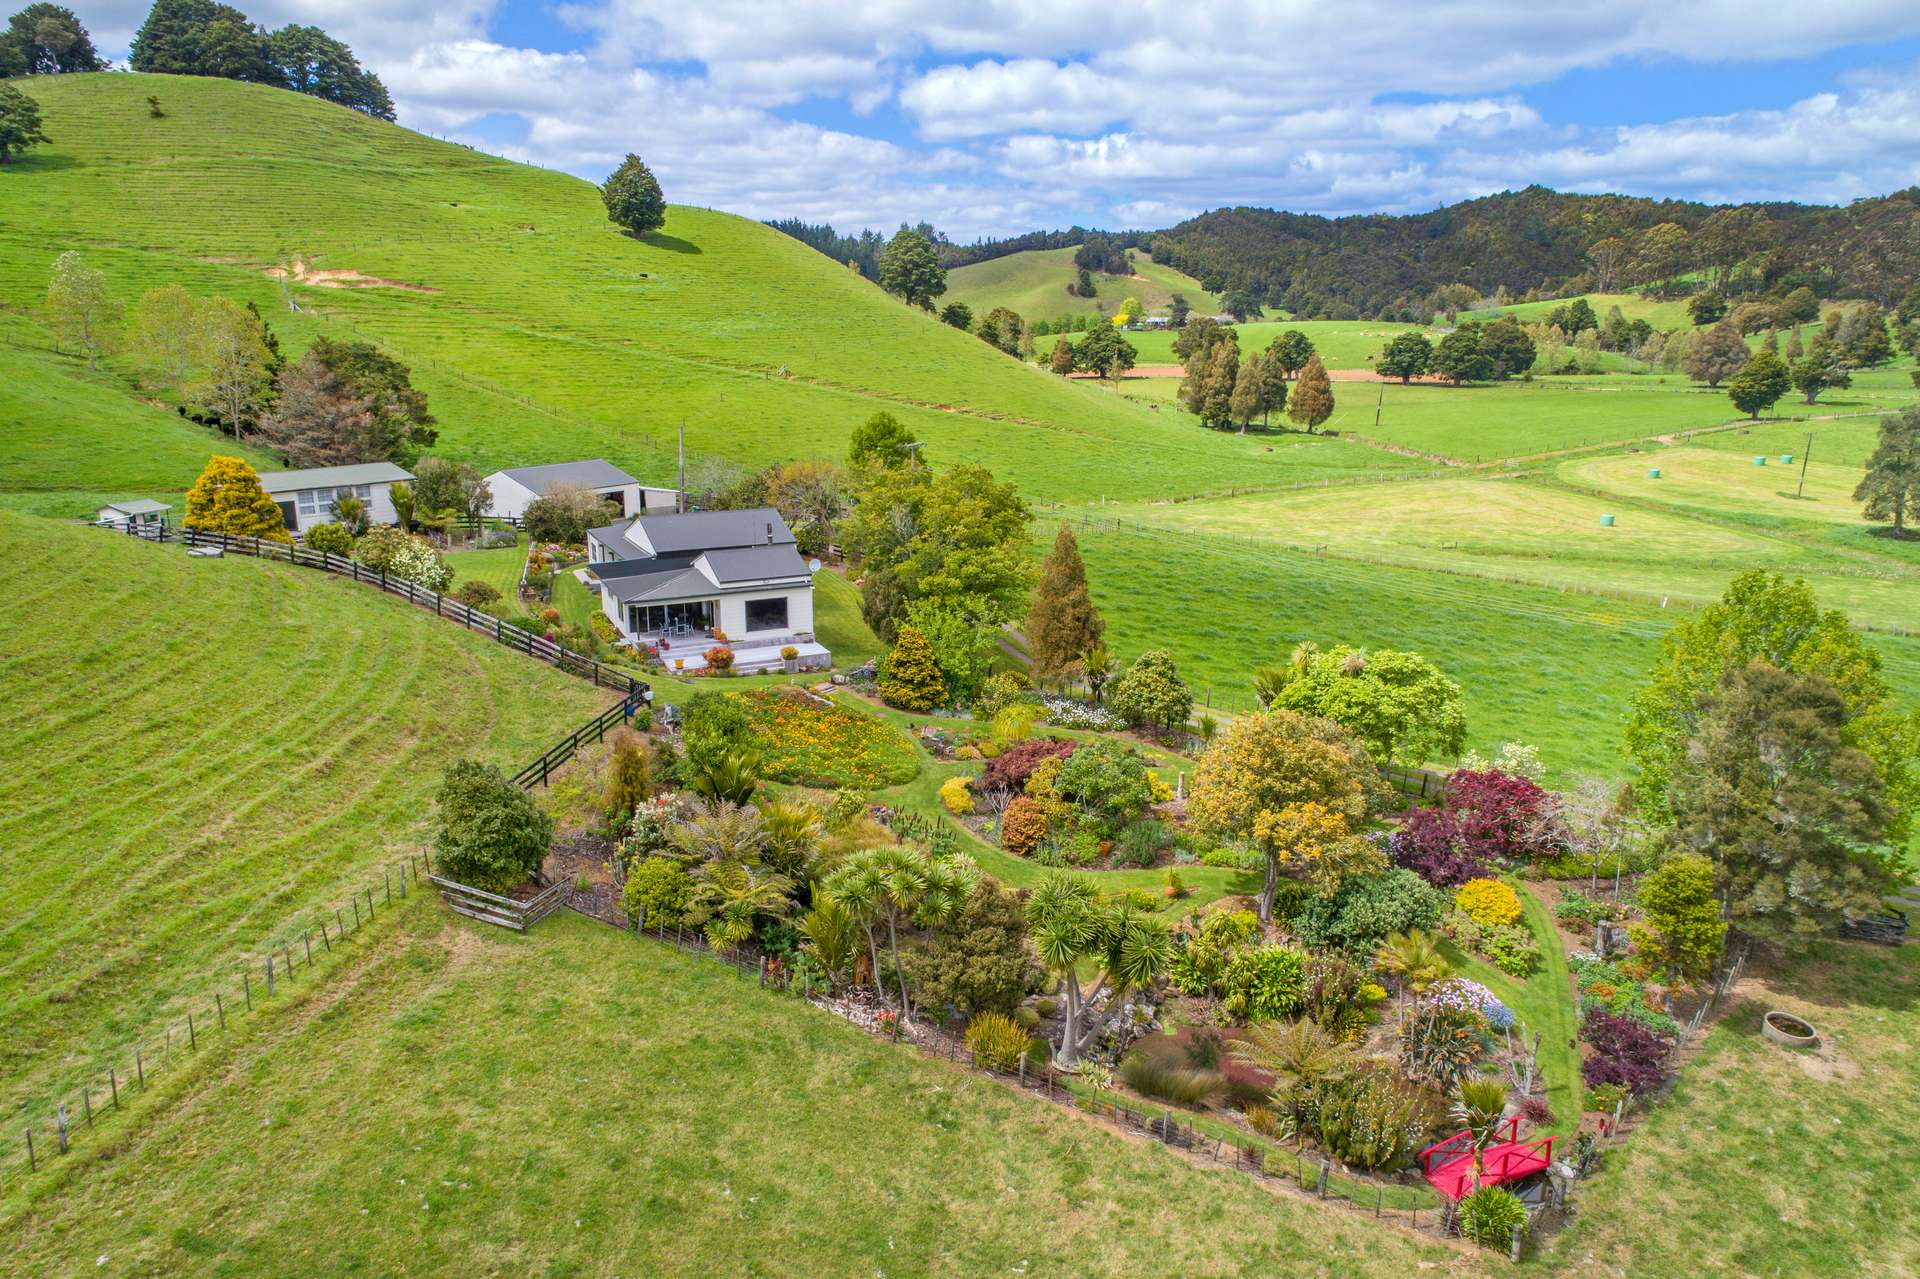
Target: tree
point(964, 648)
point(1760, 383)
point(812, 497)
point(1152, 692)
point(1405, 357)
point(1863, 336)
point(1765, 615)
point(957, 314)
point(1662, 252)
point(1075, 931)
point(1000, 329)
point(1575, 318)
point(1509, 347)
point(911, 268)
point(227, 498)
point(200, 37)
point(1891, 486)
point(1294, 349)
point(237, 358)
point(1178, 309)
point(1609, 258)
point(1683, 925)
point(969, 545)
point(1312, 400)
point(1246, 399)
point(1717, 355)
point(492, 836)
point(169, 327)
point(1819, 369)
point(910, 679)
point(1398, 703)
point(1215, 389)
point(78, 308)
point(983, 961)
point(1799, 306)
point(308, 60)
point(1130, 313)
point(400, 425)
point(633, 197)
point(1105, 352)
point(317, 421)
point(1062, 625)
point(1063, 360)
point(1706, 307)
point(731, 896)
point(51, 40)
point(1242, 305)
point(1291, 787)
point(882, 440)
point(1460, 358)
point(892, 886)
point(439, 485)
point(565, 513)
point(1793, 819)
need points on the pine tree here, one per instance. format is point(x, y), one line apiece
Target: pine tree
point(911, 679)
point(633, 197)
point(1216, 391)
point(1063, 623)
point(1891, 488)
point(1313, 398)
point(1794, 348)
point(1246, 392)
point(1273, 388)
point(1063, 361)
point(227, 498)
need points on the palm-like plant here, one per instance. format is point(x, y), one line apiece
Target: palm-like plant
point(1414, 957)
point(889, 886)
point(1072, 926)
point(829, 930)
point(733, 777)
point(794, 831)
point(1268, 682)
point(719, 830)
point(733, 894)
point(1300, 1055)
point(1480, 1109)
point(1098, 666)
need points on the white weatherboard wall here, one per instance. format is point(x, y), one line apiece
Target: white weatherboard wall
point(510, 497)
point(733, 612)
point(379, 507)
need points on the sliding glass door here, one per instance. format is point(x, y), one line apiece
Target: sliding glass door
point(672, 619)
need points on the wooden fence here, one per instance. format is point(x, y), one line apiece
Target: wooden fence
point(492, 908)
point(538, 647)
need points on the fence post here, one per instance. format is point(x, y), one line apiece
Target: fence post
point(60, 1125)
point(306, 938)
point(193, 1037)
point(269, 976)
point(86, 1099)
point(386, 877)
point(1513, 1249)
point(139, 1067)
point(33, 1162)
point(219, 1010)
point(113, 1082)
point(246, 988)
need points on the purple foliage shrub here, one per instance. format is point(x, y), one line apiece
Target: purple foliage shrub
point(1009, 770)
point(1624, 1052)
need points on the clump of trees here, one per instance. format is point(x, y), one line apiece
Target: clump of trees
point(492, 835)
point(205, 38)
point(46, 39)
point(345, 402)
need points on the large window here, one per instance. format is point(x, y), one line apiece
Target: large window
point(768, 614)
point(320, 501)
point(671, 619)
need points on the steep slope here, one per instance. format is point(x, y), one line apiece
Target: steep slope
point(1034, 283)
point(541, 330)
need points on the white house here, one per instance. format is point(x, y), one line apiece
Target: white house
point(515, 489)
point(673, 581)
point(306, 497)
point(138, 513)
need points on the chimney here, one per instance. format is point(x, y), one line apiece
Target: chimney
point(769, 532)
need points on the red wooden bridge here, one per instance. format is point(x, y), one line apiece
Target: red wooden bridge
point(1448, 1165)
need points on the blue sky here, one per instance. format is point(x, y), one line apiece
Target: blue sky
point(998, 117)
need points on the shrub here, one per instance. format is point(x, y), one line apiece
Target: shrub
point(981, 961)
point(1514, 949)
point(956, 794)
point(1501, 816)
point(1683, 925)
point(1441, 1040)
point(1010, 769)
point(378, 545)
point(1488, 1216)
point(1140, 843)
point(997, 692)
point(1152, 692)
point(804, 743)
point(1028, 1018)
point(996, 1041)
point(1163, 1081)
point(719, 658)
point(1624, 1052)
point(491, 834)
point(1488, 902)
point(1460, 992)
point(629, 778)
point(1428, 843)
point(1141, 899)
point(1202, 961)
point(1022, 826)
point(1372, 1118)
point(421, 563)
point(1263, 984)
point(330, 538)
point(712, 725)
point(1330, 993)
point(910, 677)
point(1106, 781)
point(475, 593)
point(660, 891)
point(1364, 911)
point(1071, 712)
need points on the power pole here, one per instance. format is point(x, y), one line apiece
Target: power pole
point(680, 495)
point(1803, 466)
point(1377, 404)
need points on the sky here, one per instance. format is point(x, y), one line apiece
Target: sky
point(994, 118)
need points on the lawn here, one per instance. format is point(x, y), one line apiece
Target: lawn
point(1767, 1162)
point(206, 751)
point(577, 1101)
point(1034, 283)
point(498, 568)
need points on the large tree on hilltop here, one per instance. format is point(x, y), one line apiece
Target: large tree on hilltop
point(201, 37)
point(633, 198)
point(910, 267)
point(50, 39)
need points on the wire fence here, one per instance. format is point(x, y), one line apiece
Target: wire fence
point(59, 1125)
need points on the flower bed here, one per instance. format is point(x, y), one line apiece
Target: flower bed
point(803, 742)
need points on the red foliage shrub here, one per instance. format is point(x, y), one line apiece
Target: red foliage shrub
point(1501, 816)
point(1624, 1052)
point(1428, 843)
point(1537, 1111)
point(1022, 827)
point(720, 657)
point(1009, 770)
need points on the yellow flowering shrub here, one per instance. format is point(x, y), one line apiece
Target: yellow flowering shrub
point(957, 794)
point(1160, 791)
point(1488, 902)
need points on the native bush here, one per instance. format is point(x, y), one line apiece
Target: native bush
point(1489, 1214)
point(1441, 1040)
point(1023, 826)
point(660, 891)
point(492, 836)
point(1372, 1118)
point(1624, 1052)
point(1364, 911)
point(1263, 984)
point(330, 538)
point(420, 562)
point(996, 1041)
point(1683, 924)
point(997, 692)
point(712, 726)
point(1330, 994)
point(1140, 843)
point(981, 961)
point(1488, 902)
point(1010, 769)
point(1164, 1081)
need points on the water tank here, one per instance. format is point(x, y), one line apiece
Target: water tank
point(1760, 461)
point(1653, 472)
point(1786, 459)
point(1606, 521)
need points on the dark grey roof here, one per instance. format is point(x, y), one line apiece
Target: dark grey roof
point(756, 563)
point(597, 473)
point(323, 477)
point(676, 583)
point(638, 564)
point(715, 530)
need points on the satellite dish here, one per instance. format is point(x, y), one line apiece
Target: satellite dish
point(813, 566)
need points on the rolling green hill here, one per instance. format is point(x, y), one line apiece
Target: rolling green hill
point(202, 751)
point(540, 331)
point(1034, 283)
